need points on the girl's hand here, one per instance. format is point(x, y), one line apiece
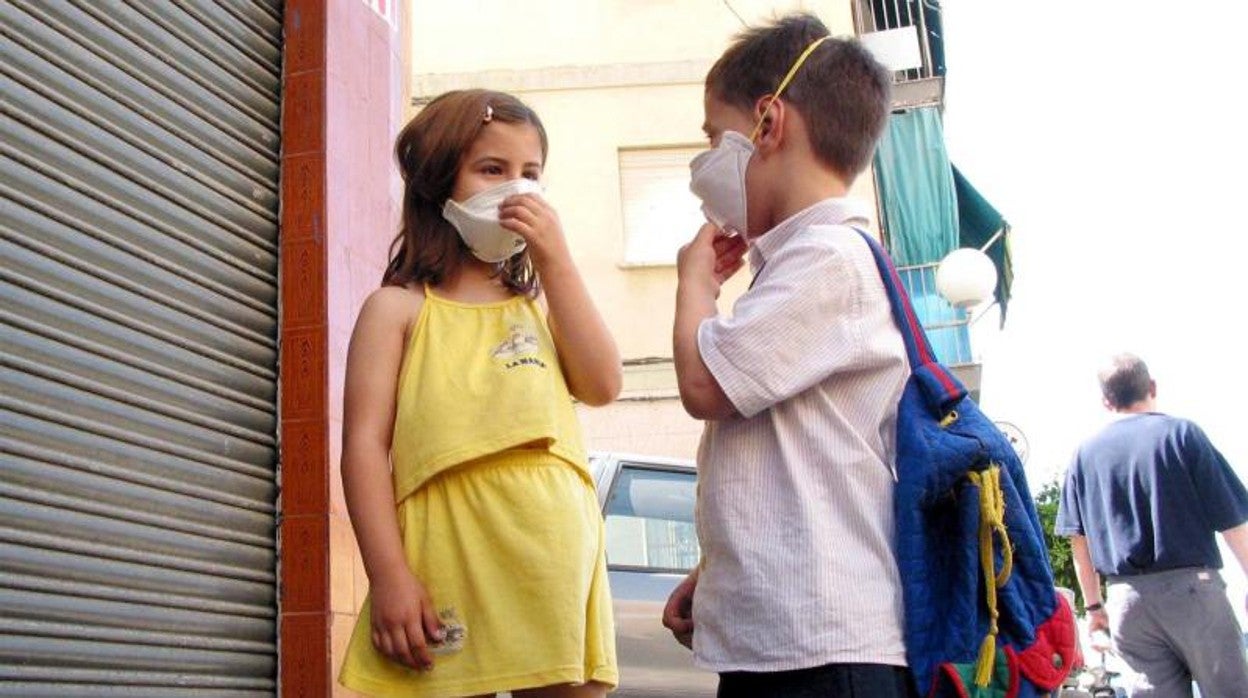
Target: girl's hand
point(404, 621)
point(530, 217)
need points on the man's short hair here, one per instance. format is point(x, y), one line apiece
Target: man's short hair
point(1125, 381)
point(841, 91)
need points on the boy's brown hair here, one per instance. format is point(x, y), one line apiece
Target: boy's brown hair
point(841, 91)
point(430, 151)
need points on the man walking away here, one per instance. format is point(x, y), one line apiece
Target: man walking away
point(1141, 503)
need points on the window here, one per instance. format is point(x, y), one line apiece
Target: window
point(649, 520)
point(660, 213)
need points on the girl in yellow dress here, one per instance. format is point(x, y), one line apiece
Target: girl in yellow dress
point(465, 475)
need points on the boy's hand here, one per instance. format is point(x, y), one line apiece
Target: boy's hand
point(530, 217)
point(712, 257)
point(729, 255)
point(404, 622)
point(678, 613)
point(701, 266)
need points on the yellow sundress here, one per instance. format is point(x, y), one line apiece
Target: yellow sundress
point(496, 507)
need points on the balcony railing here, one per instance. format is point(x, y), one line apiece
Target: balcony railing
point(907, 35)
point(947, 327)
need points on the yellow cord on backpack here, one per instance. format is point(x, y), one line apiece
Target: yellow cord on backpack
point(991, 520)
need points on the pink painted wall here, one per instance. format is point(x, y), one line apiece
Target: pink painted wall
point(343, 93)
point(364, 92)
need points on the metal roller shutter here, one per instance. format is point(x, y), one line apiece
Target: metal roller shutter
point(138, 355)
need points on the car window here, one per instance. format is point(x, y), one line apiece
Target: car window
point(649, 520)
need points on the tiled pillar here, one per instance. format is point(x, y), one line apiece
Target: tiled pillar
point(342, 100)
point(303, 644)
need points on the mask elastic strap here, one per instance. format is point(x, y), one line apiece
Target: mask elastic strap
point(785, 82)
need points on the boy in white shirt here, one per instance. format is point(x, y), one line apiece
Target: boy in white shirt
point(798, 591)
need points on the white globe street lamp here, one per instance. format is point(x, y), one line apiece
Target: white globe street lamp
point(966, 277)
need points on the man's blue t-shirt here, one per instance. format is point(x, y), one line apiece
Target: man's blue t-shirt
point(1148, 492)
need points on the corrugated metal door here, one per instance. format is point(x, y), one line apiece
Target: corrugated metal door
point(138, 317)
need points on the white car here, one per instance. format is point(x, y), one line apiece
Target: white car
point(647, 504)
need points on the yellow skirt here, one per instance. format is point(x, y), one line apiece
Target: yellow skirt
point(514, 545)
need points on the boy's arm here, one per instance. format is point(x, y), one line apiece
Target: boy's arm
point(678, 612)
point(702, 267)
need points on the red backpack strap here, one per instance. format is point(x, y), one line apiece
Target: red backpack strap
point(940, 385)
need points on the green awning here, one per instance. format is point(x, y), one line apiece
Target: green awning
point(927, 207)
point(978, 225)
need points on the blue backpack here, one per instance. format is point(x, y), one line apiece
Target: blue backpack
point(982, 615)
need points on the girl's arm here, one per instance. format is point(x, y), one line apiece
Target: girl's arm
point(400, 605)
point(587, 352)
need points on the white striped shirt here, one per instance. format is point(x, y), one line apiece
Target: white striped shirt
point(795, 496)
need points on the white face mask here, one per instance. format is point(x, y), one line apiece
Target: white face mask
point(717, 177)
point(476, 219)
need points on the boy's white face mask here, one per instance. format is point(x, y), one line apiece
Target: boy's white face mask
point(717, 176)
point(476, 219)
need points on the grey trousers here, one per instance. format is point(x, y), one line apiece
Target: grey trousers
point(1174, 627)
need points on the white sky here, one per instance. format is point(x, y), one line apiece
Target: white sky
point(1113, 138)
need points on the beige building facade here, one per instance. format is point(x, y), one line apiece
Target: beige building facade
point(619, 86)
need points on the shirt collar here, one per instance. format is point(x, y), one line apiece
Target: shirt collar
point(834, 211)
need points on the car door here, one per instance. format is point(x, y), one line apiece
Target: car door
point(651, 546)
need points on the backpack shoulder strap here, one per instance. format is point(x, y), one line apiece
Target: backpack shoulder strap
point(918, 348)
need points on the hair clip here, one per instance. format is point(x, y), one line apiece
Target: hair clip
point(489, 114)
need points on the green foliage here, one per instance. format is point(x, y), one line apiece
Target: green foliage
point(1060, 556)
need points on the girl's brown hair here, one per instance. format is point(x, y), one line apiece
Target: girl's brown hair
point(430, 150)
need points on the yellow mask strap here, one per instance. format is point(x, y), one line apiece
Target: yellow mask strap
point(785, 82)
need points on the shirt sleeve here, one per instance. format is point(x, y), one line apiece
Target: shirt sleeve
point(1069, 522)
point(1223, 497)
point(800, 323)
